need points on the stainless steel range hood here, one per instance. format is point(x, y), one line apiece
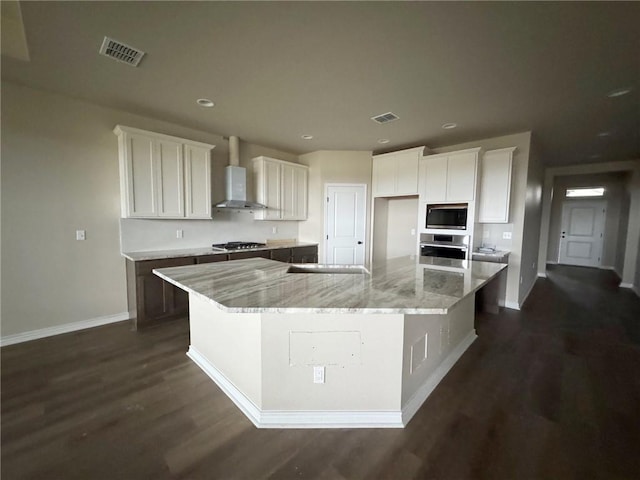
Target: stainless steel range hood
point(236, 182)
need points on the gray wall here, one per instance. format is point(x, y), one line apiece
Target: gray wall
point(60, 174)
point(332, 166)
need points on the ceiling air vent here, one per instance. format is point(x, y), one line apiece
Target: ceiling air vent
point(385, 118)
point(121, 52)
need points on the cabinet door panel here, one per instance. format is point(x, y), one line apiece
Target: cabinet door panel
point(281, 255)
point(170, 179)
point(495, 187)
point(304, 254)
point(435, 179)
point(139, 158)
point(407, 174)
point(197, 182)
point(461, 177)
point(294, 190)
point(272, 185)
point(384, 176)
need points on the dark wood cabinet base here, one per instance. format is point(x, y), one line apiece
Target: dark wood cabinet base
point(153, 301)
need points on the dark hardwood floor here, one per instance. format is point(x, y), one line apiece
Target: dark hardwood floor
point(550, 392)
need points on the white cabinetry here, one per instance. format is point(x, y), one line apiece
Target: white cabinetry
point(396, 173)
point(449, 177)
point(163, 176)
point(282, 187)
point(495, 186)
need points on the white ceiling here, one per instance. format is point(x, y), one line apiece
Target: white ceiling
point(279, 70)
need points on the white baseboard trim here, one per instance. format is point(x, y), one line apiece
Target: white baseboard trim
point(240, 399)
point(526, 295)
point(626, 285)
point(59, 329)
point(512, 305)
point(297, 418)
point(542, 275)
point(636, 289)
point(418, 398)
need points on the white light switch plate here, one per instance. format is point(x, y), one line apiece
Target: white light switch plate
point(80, 235)
point(318, 374)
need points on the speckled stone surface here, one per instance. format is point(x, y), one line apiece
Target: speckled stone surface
point(402, 285)
point(195, 252)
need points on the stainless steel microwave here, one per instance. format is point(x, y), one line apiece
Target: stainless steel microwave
point(447, 216)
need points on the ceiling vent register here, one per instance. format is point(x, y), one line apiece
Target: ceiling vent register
point(385, 117)
point(121, 52)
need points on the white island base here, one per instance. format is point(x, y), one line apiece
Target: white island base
point(379, 368)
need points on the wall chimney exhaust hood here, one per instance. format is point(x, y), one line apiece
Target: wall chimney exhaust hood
point(236, 182)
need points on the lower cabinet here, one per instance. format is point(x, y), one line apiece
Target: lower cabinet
point(281, 255)
point(304, 255)
point(296, 254)
point(153, 301)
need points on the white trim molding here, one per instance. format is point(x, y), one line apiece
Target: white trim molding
point(60, 329)
point(295, 419)
point(626, 285)
point(331, 418)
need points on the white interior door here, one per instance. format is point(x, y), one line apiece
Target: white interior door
point(345, 218)
point(581, 232)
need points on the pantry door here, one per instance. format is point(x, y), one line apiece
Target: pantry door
point(345, 220)
point(582, 232)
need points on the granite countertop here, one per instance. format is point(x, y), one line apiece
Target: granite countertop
point(401, 285)
point(196, 252)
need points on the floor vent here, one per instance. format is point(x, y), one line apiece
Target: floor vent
point(121, 52)
point(385, 118)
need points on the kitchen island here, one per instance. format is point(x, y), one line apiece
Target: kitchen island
point(325, 347)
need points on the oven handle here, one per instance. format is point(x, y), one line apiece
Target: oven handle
point(457, 247)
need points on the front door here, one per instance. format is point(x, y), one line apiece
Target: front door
point(581, 232)
point(345, 219)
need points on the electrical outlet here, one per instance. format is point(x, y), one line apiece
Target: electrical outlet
point(179, 233)
point(81, 235)
point(318, 374)
point(413, 232)
point(274, 229)
point(506, 235)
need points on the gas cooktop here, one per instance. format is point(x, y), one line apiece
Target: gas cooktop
point(230, 246)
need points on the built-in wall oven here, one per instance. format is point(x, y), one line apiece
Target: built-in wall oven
point(446, 246)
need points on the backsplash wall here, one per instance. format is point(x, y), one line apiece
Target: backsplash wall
point(227, 225)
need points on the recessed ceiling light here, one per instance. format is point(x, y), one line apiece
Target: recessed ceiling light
point(449, 126)
point(383, 140)
point(307, 137)
point(618, 92)
point(205, 102)
point(604, 134)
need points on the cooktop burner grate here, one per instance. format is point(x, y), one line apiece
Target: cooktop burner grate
point(237, 246)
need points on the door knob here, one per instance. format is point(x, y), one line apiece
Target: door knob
point(359, 242)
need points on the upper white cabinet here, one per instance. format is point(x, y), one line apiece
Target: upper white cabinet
point(163, 176)
point(449, 177)
point(282, 187)
point(495, 186)
point(396, 173)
